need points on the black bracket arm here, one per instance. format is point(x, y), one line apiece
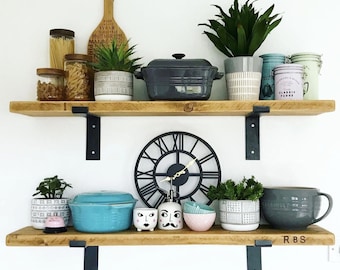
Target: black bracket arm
point(253, 132)
point(92, 132)
point(254, 259)
point(90, 254)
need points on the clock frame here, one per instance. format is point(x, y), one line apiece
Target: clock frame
point(187, 159)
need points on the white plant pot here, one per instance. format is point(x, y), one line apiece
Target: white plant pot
point(243, 77)
point(113, 85)
point(239, 215)
point(42, 208)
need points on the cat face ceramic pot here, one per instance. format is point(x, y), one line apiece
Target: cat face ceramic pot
point(145, 219)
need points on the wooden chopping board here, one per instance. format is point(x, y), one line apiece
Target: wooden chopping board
point(106, 31)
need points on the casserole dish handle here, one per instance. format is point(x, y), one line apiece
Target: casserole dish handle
point(138, 75)
point(218, 75)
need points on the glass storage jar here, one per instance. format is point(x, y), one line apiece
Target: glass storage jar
point(78, 77)
point(61, 43)
point(50, 86)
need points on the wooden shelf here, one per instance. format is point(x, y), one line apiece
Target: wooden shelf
point(173, 108)
point(313, 235)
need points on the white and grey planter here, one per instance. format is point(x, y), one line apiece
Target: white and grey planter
point(42, 208)
point(243, 77)
point(113, 85)
point(239, 215)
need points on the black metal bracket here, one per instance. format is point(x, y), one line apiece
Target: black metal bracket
point(253, 132)
point(92, 132)
point(254, 259)
point(90, 254)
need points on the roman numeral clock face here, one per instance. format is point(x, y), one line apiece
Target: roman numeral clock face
point(186, 159)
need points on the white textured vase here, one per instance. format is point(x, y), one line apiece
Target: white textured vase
point(41, 209)
point(239, 215)
point(243, 77)
point(113, 85)
point(243, 85)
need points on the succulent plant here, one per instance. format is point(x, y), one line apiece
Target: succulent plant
point(52, 188)
point(247, 189)
point(242, 31)
point(115, 57)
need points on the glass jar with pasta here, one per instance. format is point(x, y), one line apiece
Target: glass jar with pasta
point(61, 43)
point(50, 86)
point(78, 77)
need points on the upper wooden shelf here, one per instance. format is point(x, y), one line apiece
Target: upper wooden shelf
point(313, 235)
point(173, 108)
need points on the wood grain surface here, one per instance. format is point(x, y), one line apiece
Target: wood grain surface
point(173, 108)
point(313, 235)
point(106, 31)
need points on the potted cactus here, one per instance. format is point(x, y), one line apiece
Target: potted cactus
point(51, 201)
point(114, 67)
point(239, 203)
point(238, 34)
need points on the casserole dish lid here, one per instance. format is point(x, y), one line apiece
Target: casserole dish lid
point(104, 196)
point(179, 62)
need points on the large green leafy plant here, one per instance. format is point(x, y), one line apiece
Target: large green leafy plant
point(115, 57)
point(52, 188)
point(242, 31)
point(247, 189)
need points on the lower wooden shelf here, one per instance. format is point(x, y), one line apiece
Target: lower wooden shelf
point(313, 235)
point(253, 240)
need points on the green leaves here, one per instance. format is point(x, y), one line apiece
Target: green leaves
point(247, 189)
point(241, 31)
point(115, 57)
point(52, 188)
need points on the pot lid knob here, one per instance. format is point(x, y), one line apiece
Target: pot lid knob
point(178, 55)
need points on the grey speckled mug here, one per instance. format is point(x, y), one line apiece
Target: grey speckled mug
point(293, 208)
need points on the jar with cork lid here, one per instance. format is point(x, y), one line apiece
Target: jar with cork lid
point(61, 43)
point(50, 85)
point(78, 77)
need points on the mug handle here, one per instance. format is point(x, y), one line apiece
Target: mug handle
point(330, 206)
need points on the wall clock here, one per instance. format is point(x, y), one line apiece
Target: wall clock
point(178, 160)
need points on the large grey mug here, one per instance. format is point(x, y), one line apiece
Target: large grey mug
point(293, 208)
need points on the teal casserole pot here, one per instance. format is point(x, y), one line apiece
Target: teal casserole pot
point(102, 212)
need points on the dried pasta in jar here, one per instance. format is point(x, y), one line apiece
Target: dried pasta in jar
point(78, 77)
point(61, 43)
point(50, 85)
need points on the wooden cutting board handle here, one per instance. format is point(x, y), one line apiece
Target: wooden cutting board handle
point(106, 31)
point(108, 10)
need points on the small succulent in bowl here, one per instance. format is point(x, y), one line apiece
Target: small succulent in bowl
point(115, 57)
point(247, 189)
point(52, 188)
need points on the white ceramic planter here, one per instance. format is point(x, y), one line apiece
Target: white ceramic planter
point(243, 77)
point(145, 219)
point(239, 215)
point(43, 208)
point(113, 85)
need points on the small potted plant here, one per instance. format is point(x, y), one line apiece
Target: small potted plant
point(114, 67)
point(51, 201)
point(238, 34)
point(239, 203)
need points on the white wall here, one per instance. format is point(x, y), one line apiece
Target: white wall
point(294, 150)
